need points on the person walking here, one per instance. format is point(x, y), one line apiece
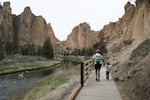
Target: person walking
point(97, 57)
point(108, 68)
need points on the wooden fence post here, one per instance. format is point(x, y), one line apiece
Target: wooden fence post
point(82, 74)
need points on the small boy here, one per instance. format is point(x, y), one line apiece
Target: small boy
point(108, 68)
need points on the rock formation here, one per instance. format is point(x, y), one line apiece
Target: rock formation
point(6, 22)
point(82, 36)
point(27, 28)
point(133, 74)
point(134, 25)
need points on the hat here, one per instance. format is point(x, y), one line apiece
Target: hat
point(97, 50)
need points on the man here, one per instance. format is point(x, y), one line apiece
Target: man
point(97, 57)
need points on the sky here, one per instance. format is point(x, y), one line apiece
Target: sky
point(64, 15)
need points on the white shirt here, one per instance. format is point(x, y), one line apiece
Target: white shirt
point(97, 54)
point(108, 68)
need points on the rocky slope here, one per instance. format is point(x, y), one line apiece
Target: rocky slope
point(26, 28)
point(129, 50)
point(132, 75)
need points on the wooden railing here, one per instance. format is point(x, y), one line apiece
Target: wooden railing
point(86, 70)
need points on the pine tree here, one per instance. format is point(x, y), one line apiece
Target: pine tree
point(1, 50)
point(47, 49)
point(9, 47)
point(39, 51)
point(29, 49)
point(24, 50)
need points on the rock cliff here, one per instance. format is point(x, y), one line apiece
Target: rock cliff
point(133, 25)
point(26, 27)
point(122, 26)
point(6, 22)
point(82, 36)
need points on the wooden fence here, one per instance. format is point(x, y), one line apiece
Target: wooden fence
point(86, 70)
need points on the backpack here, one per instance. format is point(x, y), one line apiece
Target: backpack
point(97, 59)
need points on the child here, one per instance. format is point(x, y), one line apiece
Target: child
point(108, 68)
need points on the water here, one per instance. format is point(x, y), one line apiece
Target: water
point(11, 83)
point(17, 81)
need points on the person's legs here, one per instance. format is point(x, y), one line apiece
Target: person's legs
point(107, 75)
point(96, 74)
point(98, 71)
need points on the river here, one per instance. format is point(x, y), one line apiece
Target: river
point(11, 83)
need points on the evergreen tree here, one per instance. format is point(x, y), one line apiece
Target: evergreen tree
point(90, 51)
point(1, 50)
point(47, 49)
point(29, 49)
point(24, 50)
point(39, 51)
point(83, 52)
point(76, 52)
point(15, 44)
point(9, 47)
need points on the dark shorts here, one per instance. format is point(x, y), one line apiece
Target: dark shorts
point(98, 66)
point(107, 73)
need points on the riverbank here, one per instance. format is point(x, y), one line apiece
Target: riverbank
point(18, 63)
point(75, 58)
point(55, 86)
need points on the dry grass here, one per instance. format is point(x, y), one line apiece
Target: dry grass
point(52, 87)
